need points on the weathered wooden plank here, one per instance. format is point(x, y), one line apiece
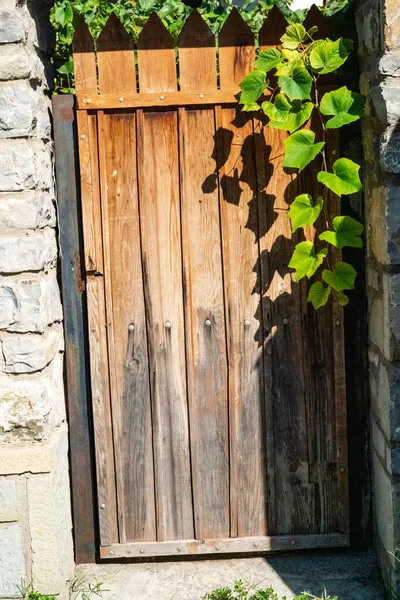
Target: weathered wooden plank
point(205, 319)
point(84, 60)
point(115, 59)
point(197, 56)
point(102, 417)
point(240, 232)
point(151, 100)
point(127, 337)
point(90, 191)
point(283, 331)
point(236, 51)
point(158, 174)
point(156, 58)
point(256, 544)
point(274, 27)
point(315, 17)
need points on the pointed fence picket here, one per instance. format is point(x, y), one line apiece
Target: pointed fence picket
point(218, 398)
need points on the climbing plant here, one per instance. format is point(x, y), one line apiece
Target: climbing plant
point(292, 99)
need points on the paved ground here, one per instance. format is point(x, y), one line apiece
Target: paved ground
point(349, 576)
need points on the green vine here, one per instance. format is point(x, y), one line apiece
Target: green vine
point(297, 68)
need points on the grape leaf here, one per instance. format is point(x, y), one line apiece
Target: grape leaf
point(295, 34)
point(268, 59)
point(286, 115)
point(252, 86)
point(296, 86)
point(344, 105)
point(251, 107)
point(300, 149)
point(305, 260)
point(347, 232)
point(318, 294)
point(303, 212)
point(341, 278)
point(344, 179)
point(63, 15)
point(342, 299)
point(328, 56)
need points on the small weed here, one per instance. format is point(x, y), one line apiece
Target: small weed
point(241, 591)
point(84, 589)
point(29, 593)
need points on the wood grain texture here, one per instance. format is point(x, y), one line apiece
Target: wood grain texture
point(90, 191)
point(158, 173)
point(254, 544)
point(197, 56)
point(236, 51)
point(156, 58)
point(151, 100)
point(127, 334)
point(115, 59)
point(274, 27)
point(104, 443)
point(239, 232)
point(84, 60)
point(205, 320)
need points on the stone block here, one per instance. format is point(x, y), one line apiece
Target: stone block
point(11, 27)
point(31, 408)
point(393, 222)
point(390, 64)
point(29, 305)
point(12, 568)
point(30, 353)
point(26, 211)
point(391, 18)
point(385, 98)
point(28, 252)
point(8, 500)
point(390, 152)
point(24, 165)
point(379, 442)
point(23, 112)
point(382, 492)
point(50, 528)
point(21, 458)
point(368, 26)
point(15, 62)
point(380, 395)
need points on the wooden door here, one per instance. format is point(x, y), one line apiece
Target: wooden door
point(218, 394)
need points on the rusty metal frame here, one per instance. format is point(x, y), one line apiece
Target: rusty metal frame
point(81, 437)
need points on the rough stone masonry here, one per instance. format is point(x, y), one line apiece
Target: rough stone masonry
point(378, 25)
point(35, 522)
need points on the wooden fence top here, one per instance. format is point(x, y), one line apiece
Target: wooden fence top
point(115, 72)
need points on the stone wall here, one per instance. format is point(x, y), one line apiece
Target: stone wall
point(378, 24)
point(35, 523)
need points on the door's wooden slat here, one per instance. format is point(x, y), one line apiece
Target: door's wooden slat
point(221, 546)
point(102, 414)
point(205, 341)
point(115, 58)
point(240, 233)
point(156, 58)
point(90, 191)
point(84, 60)
point(236, 51)
point(197, 56)
point(159, 199)
point(273, 29)
point(127, 337)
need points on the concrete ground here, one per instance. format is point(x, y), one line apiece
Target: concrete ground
point(350, 576)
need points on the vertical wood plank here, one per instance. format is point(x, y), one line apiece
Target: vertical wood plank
point(90, 191)
point(316, 17)
point(206, 341)
point(115, 59)
point(156, 58)
point(159, 199)
point(197, 56)
point(287, 441)
point(236, 51)
point(102, 414)
point(240, 234)
point(127, 336)
point(84, 60)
